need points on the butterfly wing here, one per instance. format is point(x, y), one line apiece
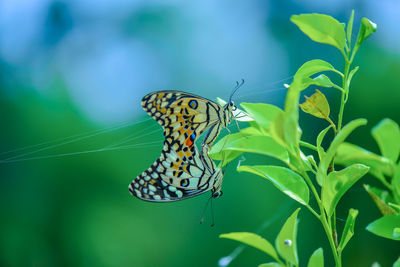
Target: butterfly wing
point(181, 171)
point(183, 116)
point(170, 178)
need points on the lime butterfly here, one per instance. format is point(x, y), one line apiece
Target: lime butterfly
point(166, 181)
point(182, 171)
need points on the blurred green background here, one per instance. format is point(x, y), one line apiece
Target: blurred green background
point(80, 68)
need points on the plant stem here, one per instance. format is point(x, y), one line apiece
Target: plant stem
point(346, 73)
point(333, 125)
point(323, 219)
point(328, 232)
point(334, 231)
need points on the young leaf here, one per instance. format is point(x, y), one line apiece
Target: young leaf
point(387, 134)
point(316, 259)
point(321, 28)
point(302, 78)
point(349, 29)
point(338, 182)
point(316, 105)
point(323, 81)
point(263, 114)
point(253, 240)
point(367, 27)
point(284, 179)
point(380, 197)
point(285, 242)
point(320, 138)
point(264, 145)
point(386, 226)
point(348, 230)
point(351, 74)
point(339, 139)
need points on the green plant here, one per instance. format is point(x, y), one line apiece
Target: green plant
point(276, 133)
point(386, 169)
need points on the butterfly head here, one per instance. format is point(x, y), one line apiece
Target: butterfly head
point(218, 177)
point(230, 106)
point(216, 194)
point(228, 109)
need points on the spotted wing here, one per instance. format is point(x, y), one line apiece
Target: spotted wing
point(184, 117)
point(170, 178)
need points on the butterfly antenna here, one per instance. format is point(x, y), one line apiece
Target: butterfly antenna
point(205, 209)
point(238, 85)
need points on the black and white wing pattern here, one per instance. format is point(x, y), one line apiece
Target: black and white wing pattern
point(170, 178)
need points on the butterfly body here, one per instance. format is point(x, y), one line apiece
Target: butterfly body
point(182, 171)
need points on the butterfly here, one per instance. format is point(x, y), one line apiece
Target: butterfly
point(182, 171)
point(166, 180)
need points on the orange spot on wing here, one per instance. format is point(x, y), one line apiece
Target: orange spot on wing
point(189, 142)
point(175, 167)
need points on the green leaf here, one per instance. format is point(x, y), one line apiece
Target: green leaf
point(239, 143)
point(348, 154)
point(367, 27)
point(263, 114)
point(387, 134)
point(277, 129)
point(253, 240)
point(285, 242)
point(339, 139)
point(320, 138)
point(350, 77)
point(349, 29)
point(291, 130)
point(219, 152)
point(302, 78)
point(321, 28)
point(348, 230)
point(323, 81)
point(386, 226)
point(338, 182)
point(396, 183)
point(316, 259)
point(270, 264)
point(397, 263)
point(381, 199)
point(316, 105)
point(284, 179)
